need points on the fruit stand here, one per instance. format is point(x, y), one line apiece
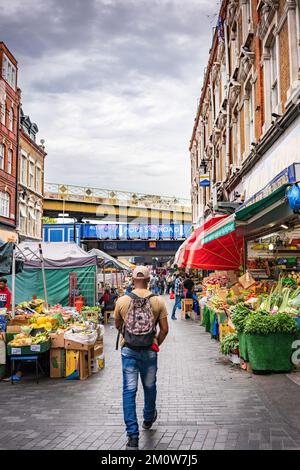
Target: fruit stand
point(68, 341)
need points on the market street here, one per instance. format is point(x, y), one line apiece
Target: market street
point(203, 403)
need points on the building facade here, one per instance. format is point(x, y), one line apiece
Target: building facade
point(9, 116)
point(31, 181)
point(247, 127)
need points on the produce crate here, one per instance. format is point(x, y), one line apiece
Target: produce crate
point(29, 350)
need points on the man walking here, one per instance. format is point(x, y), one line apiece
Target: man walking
point(178, 291)
point(136, 317)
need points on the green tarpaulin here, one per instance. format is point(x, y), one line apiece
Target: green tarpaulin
point(30, 282)
point(268, 353)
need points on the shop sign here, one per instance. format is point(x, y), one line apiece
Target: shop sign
point(228, 228)
point(204, 180)
point(16, 351)
point(284, 178)
point(281, 155)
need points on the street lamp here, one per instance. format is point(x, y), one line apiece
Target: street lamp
point(203, 165)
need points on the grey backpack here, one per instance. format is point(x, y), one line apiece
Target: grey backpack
point(139, 329)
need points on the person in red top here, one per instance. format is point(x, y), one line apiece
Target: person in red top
point(5, 294)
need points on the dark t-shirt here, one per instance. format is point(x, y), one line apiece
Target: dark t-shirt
point(188, 284)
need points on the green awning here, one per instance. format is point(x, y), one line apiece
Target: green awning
point(228, 228)
point(250, 210)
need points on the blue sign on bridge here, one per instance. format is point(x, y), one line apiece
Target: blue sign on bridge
point(65, 232)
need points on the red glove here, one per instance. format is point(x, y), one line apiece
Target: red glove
point(154, 347)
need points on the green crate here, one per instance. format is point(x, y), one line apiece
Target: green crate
point(29, 350)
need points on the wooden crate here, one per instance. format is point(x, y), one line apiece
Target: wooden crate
point(187, 305)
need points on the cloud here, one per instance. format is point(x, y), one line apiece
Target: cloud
point(113, 86)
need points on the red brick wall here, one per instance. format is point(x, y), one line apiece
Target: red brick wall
point(284, 63)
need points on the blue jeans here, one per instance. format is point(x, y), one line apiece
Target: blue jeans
point(135, 363)
point(177, 304)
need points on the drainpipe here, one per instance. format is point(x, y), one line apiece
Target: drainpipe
point(213, 120)
point(227, 161)
point(17, 172)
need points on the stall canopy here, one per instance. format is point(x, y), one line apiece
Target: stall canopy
point(216, 245)
point(108, 261)
point(59, 260)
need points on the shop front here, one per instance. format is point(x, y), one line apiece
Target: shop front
point(271, 228)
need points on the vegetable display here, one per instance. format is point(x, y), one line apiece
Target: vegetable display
point(229, 344)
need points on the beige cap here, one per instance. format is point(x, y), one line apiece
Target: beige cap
point(141, 272)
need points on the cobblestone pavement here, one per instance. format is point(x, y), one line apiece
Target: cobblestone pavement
point(203, 402)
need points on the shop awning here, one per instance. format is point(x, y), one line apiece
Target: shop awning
point(182, 255)
point(218, 248)
point(270, 194)
point(245, 213)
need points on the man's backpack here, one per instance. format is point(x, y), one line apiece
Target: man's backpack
point(139, 329)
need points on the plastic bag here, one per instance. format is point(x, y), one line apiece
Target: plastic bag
point(81, 337)
point(172, 296)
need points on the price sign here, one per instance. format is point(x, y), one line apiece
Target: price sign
point(16, 351)
point(35, 348)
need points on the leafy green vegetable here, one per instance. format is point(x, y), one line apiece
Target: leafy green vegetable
point(261, 324)
point(239, 316)
point(229, 343)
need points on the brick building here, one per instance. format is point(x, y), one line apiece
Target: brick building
point(9, 116)
point(247, 126)
point(31, 181)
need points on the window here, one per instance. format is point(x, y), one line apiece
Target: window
point(251, 117)
point(31, 175)
point(11, 119)
point(23, 218)
point(9, 72)
point(38, 224)
point(3, 113)
point(38, 183)
point(9, 161)
point(4, 204)
point(31, 222)
point(274, 81)
point(24, 170)
point(1, 157)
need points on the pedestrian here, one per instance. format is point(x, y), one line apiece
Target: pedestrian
point(5, 294)
point(189, 285)
point(154, 284)
point(178, 291)
point(136, 318)
point(169, 281)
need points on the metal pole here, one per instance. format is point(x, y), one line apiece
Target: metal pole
point(43, 273)
point(13, 287)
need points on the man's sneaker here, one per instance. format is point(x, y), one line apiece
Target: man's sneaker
point(148, 424)
point(132, 443)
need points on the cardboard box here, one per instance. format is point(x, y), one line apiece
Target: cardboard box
point(18, 321)
point(2, 336)
point(57, 363)
point(72, 364)
point(14, 329)
point(77, 346)
point(246, 280)
point(57, 340)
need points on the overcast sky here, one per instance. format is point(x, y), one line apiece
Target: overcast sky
point(113, 86)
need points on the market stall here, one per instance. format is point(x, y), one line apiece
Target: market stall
point(110, 271)
point(61, 341)
point(64, 270)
